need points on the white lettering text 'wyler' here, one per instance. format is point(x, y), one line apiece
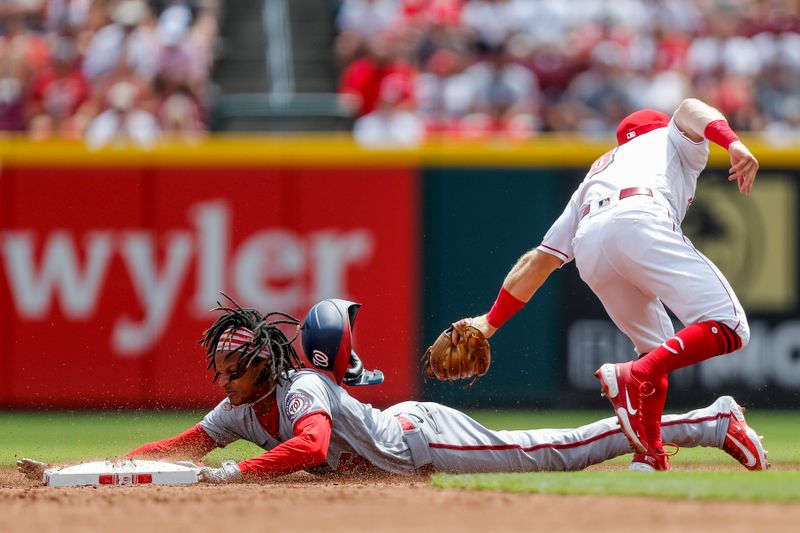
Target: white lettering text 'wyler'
point(272, 268)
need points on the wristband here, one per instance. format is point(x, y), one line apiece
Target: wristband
point(720, 132)
point(504, 308)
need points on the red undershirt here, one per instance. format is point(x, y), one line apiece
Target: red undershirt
point(307, 448)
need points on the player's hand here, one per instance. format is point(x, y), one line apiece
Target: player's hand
point(743, 166)
point(478, 322)
point(31, 468)
point(227, 473)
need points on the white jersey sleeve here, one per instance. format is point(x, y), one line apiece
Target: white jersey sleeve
point(219, 424)
point(305, 395)
point(693, 154)
point(558, 239)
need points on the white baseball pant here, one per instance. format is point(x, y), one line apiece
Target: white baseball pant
point(636, 260)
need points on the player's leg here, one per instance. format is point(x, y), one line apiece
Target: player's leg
point(720, 425)
point(696, 291)
point(459, 444)
point(640, 316)
point(637, 312)
point(651, 253)
point(701, 427)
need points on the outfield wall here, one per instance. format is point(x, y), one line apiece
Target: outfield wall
point(109, 262)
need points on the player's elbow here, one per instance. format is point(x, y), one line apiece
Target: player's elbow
point(689, 104)
point(317, 450)
point(317, 456)
point(536, 263)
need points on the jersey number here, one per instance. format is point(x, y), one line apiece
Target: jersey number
point(349, 462)
point(602, 162)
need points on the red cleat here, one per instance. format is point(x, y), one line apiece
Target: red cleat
point(625, 394)
point(743, 443)
point(650, 461)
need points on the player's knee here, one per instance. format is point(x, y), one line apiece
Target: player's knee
point(736, 334)
point(743, 332)
point(731, 335)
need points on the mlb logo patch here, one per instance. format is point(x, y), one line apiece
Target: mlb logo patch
point(631, 135)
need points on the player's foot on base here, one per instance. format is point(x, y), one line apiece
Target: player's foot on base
point(651, 461)
point(742, 442)
point(625, 394)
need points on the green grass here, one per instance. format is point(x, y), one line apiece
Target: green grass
point(771, 486)
point(72, 436)
point(781, 430)
point(63, 437)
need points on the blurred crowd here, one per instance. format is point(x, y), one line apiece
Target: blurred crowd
point(416, 69)
point(106, 71)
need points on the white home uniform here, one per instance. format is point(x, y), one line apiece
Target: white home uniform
point(412, 435)
point(631, 251)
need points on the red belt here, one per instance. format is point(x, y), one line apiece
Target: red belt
point(624, 193)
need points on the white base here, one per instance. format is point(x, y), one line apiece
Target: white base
point(125, 472)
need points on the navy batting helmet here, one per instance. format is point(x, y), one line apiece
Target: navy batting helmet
point(327, 336)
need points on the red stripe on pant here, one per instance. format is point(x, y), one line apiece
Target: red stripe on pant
point(566, 445)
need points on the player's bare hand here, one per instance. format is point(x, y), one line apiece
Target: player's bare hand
point(31, 468)
point(744, 166)
point(478, 322)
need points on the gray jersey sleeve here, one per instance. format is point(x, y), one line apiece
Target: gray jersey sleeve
point(306, 394)
point(693, 154)
point(219, 424)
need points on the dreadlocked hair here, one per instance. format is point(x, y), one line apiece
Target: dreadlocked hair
point(266, 335)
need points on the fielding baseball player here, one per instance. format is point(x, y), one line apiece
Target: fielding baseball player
point(623, 228)
point(306, 419)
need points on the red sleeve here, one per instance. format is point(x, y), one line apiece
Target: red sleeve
point(307, 448)
point(193, 443)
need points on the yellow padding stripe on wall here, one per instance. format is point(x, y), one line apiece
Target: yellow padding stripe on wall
point(339, 150)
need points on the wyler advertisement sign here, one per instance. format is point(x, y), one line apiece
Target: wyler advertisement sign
point(107, 275)
point(754, 242)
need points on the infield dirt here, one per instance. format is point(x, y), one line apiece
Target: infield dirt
point(301, 503)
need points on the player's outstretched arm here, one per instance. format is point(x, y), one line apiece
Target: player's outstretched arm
point(194, 443)
point(698, 120)
point(521, 283)
point(309, 447)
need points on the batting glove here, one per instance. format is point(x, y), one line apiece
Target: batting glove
point(227, 473)
point(33, 469)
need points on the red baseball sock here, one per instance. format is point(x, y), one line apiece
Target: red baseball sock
point(691, 345)
point(653, 408)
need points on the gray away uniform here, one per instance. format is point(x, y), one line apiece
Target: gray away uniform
point(411, 435)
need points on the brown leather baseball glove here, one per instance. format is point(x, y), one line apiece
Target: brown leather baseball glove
point(470, 357)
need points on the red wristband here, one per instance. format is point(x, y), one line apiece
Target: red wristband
point(720, 132)
point(504, 308)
